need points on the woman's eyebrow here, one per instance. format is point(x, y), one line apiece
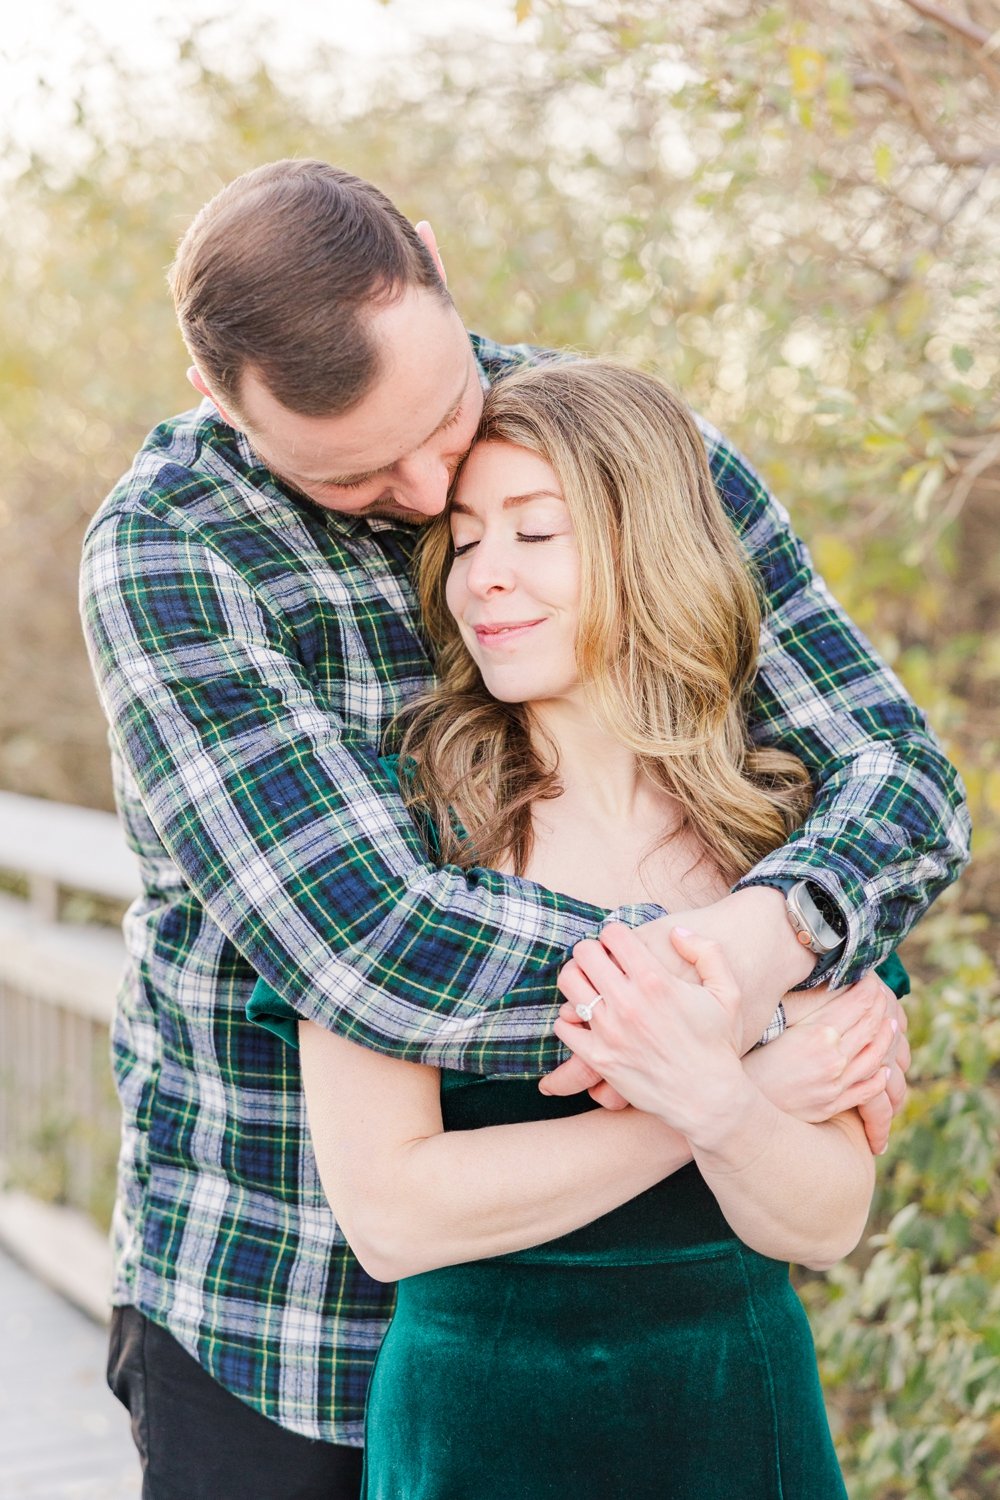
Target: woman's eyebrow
point(510, 502)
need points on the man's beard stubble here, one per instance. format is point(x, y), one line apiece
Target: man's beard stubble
point(383, 510)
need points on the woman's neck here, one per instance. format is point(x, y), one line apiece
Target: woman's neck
point(613, 836)
point(594, 768)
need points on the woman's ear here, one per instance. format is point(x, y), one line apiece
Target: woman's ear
point(429, 238)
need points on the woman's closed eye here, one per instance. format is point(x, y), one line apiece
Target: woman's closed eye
point(459, 549)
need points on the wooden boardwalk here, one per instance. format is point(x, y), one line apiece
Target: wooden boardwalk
point(63, 1436)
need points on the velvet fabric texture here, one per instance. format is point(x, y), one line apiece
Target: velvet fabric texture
point(648, 1356)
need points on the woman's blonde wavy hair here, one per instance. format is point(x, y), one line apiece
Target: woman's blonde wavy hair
point(667, 638)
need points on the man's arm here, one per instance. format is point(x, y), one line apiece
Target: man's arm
point(888, 829)
point(289, 830)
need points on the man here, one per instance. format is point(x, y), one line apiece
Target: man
point(252, 625)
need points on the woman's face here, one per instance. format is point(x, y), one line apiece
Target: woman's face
point(514, 584)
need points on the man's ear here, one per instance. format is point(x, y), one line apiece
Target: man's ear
point(426, 233)
point(197, 379)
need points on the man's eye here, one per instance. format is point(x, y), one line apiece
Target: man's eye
point(350, 484)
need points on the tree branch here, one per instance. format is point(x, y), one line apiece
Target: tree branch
point(905, 88)
point(962, 27)
point(968, 32)
point(882, 82)
point(988, 455)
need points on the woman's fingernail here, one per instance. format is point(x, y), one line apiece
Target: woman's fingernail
point(684, 932)
point(895, 1026)
point(888, 1073)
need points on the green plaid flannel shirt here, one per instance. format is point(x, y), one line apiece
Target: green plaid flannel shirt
point(250, 650)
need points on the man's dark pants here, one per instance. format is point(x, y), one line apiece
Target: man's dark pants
point(198, 1442)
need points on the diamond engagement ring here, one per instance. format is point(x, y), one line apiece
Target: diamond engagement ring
point(586, 1012)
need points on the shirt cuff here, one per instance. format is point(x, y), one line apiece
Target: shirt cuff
point(635, 916)
point(775, 1026)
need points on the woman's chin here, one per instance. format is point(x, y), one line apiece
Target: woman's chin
point(506, 693)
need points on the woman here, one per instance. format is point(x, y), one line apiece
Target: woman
point(594, 1302)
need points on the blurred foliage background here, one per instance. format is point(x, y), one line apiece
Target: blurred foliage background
point(790, 210)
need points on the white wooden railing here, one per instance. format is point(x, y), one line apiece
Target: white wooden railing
point(60, 965)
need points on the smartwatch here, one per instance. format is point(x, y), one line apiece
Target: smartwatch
point(818, 922)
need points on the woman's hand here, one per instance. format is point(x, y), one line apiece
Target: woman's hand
point(789, 1189)
point(832, 1059)
point(670, 1047)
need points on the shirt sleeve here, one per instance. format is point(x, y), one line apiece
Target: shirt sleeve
point(289, 829)
point(889, 828)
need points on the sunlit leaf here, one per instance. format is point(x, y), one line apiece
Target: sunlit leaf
point(806, 66)
point(883, 161)
point(927, 489)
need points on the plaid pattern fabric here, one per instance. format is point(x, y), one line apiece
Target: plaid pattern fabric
point(250, 649)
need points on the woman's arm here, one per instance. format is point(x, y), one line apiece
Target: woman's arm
point(410, 1197)
point(792, 1190)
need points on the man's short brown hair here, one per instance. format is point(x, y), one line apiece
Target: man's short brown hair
point(278, 273)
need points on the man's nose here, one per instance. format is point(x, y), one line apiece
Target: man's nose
point(421, 484)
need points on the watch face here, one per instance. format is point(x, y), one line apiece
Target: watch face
point(827, 908)
point(815, 931)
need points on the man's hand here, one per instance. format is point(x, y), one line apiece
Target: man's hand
point(880, 1112)
point(833, 1057)
point(758, 945)
point(818, 1015)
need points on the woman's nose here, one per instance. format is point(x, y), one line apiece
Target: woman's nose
point(489, 570)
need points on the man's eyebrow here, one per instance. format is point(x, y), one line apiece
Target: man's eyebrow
point(511, 502)
point(371, 473)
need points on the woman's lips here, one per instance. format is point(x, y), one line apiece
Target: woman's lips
point(505, 633)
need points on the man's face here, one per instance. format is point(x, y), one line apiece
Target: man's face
point(395, 453)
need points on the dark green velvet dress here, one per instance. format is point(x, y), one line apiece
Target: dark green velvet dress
point(648, 1356)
